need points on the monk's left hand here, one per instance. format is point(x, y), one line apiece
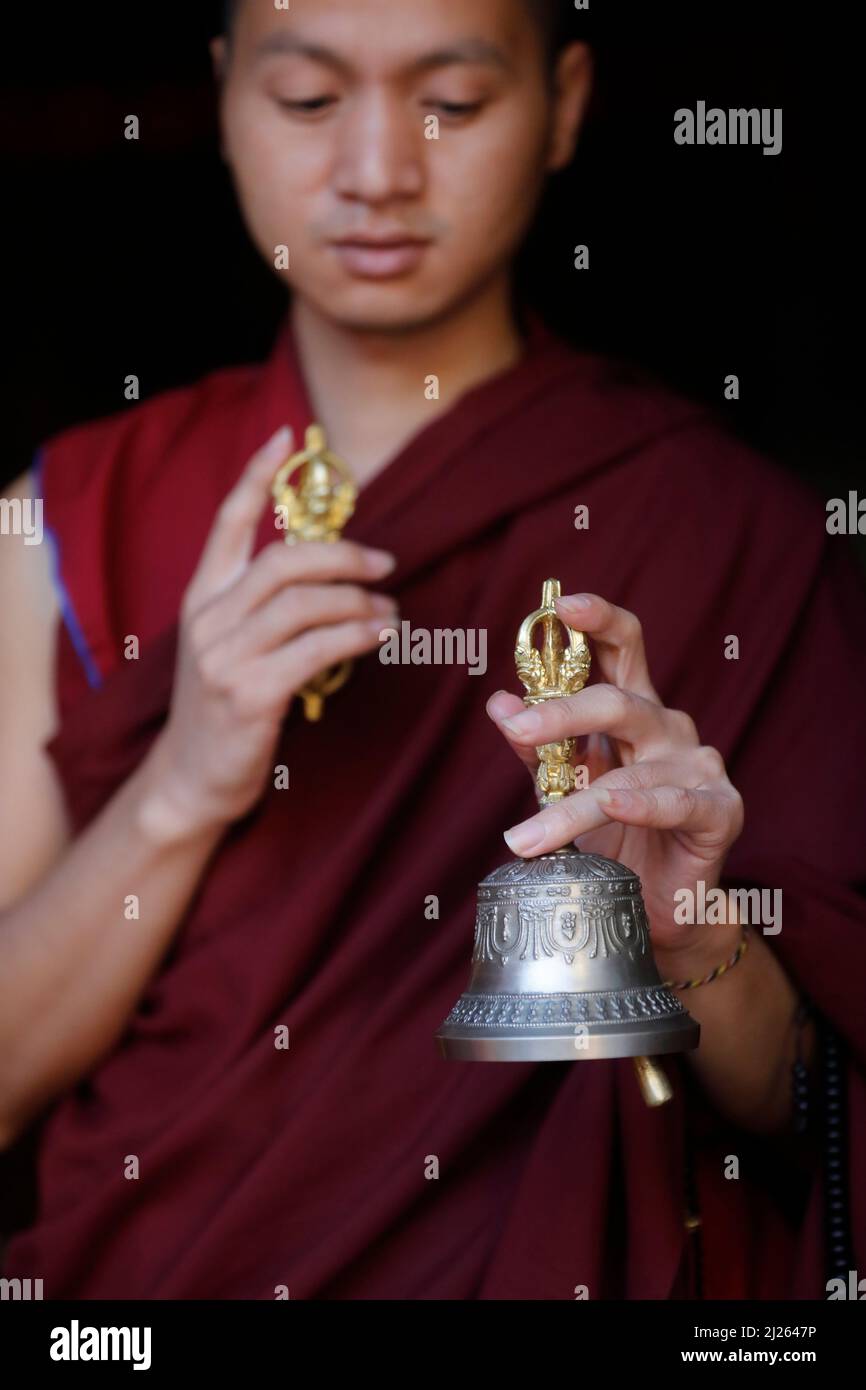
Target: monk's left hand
point(658, 799)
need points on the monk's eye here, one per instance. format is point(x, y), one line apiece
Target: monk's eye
point(310, 107)
point(455, 109)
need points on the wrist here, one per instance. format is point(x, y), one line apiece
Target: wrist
point(166, 814)
point(707, 947)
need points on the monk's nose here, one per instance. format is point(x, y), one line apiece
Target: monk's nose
point(380, 150)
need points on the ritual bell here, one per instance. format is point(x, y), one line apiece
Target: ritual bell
point(562, 967)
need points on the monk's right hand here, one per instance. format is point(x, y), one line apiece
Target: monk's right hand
point(252, 632)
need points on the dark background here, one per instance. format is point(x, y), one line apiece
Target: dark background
point(130, 257)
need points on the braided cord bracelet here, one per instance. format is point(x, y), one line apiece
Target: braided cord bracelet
point(717, 971)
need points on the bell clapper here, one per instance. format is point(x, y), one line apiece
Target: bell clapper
point(654, 1085)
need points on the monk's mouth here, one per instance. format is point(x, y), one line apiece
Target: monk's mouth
point(369, 260)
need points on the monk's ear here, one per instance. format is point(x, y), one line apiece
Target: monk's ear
point(572, 85)
point(219, 57)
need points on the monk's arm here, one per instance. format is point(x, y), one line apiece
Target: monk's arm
point(75, 952)
point(748, 1037)
point(83, 927)
point(662, 802)
point(72, 962)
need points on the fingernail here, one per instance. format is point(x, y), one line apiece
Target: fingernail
point(575, 600)
point(619, 800)
point(528, 721)
point(601, 794)
point(524, 838)
point(383, 603)
point(280, 440)
point(494, 700)
point(380, 561)
point(375, 628)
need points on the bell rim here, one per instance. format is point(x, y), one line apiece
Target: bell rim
point(601, 1042)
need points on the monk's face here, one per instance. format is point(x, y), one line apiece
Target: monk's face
point(431, 122)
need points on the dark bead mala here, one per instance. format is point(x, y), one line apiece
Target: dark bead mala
point(800, 1076)
point(834, 1145)
point(829, 1116)
point(832, 1115)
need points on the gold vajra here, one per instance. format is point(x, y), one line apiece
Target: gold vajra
point(315, 507)
point(549, 673)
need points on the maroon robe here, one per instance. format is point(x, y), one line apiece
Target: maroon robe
point(306, 1168)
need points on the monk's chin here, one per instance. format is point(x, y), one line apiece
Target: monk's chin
point(384, 312)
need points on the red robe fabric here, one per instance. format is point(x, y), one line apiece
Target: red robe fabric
point(306, 1168)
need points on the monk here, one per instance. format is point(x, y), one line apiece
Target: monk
point(229, 934)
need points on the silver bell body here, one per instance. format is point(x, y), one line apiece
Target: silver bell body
point(562, 969)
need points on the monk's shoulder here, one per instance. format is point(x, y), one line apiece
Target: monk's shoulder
point(705, 460)
point(146, 432)
point(690, 454)
point(739, 523)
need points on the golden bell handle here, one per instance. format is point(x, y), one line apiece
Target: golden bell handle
point(558, 669)
point(654, 1085)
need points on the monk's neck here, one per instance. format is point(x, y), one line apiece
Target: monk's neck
point(373, 392)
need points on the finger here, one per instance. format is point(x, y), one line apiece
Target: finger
point(501, 706)
point(296, 609)
point(588, 809)
point(290, 666)
point(279, 565)
point(597, 756)
point(618, 639)
point(710, 817)
point(230, 542)
point(647, 727)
